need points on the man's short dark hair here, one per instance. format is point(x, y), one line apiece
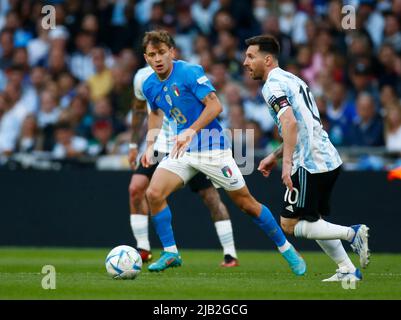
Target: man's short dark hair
point(63, 125)
point(266, 43)
point(156, 38)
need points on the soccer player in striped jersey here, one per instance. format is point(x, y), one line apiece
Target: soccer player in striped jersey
point(310, 163)
point(142, 176)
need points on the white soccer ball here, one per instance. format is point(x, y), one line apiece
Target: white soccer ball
point(123, 262)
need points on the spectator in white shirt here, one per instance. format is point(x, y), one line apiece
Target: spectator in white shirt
point(67, 145)
point(11, 121)
point(81, 64)
point(393, 128)
point(49, 112)
point(203, 12)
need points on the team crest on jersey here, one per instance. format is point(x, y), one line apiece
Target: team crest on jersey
point(175, 90)
point(227, 172)
point(168, 99)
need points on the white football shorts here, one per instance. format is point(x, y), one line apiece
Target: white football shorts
point(218, 165)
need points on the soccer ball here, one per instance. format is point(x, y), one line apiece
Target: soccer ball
point(123, 262)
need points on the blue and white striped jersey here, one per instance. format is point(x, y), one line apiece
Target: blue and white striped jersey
point(164, 142)
point(313, 150)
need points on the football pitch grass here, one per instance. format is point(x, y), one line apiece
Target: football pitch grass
point(81, 274)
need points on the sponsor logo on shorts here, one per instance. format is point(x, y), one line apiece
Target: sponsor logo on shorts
point(227, 172)
point(290, 208)
point(234, 182)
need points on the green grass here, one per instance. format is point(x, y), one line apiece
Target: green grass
point(262, 275)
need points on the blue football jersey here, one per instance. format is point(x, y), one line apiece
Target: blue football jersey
point(180, 97)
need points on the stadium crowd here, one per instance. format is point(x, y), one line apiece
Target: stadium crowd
point(68, 90)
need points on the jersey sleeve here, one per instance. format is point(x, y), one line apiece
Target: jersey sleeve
point(149, 95)
point(275, 95)
point(198, 82)
point(138, 86)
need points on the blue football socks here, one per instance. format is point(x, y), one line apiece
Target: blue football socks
point(269, 226)
point(162, 223)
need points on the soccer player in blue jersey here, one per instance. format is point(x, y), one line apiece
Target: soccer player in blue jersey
point(311, 163)
point(182, 92)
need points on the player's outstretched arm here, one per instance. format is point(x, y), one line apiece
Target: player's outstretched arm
point(139, 114)
point(289, 134)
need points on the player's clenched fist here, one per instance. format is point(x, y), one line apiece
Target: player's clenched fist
point(147, 158)
point(267, 164)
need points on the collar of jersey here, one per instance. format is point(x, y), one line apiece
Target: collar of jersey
point(171, 72)
point(270, 73)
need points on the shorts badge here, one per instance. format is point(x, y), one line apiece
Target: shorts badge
point(227, 172)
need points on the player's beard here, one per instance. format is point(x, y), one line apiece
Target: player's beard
point(256, 76)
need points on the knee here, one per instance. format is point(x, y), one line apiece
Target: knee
point(288, 228)
point(136, 191)
point(154, 195)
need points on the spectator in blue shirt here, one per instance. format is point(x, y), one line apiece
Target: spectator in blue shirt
point(367, 129)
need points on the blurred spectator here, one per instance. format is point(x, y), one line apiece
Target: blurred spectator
point(124, 24)
point(122, 91)
point(67, 87)
point(367, 129)
point(156, 17)
point(226, 50)
point(388, 96)
point(222, 21)
point(103, 111)
point(340, 113)
point(292, 22)
point(79, 117)
point(371, 20)
point(392, 32)
point(271, 26)
point(255, 106)
point(203, 12)
point(49, 111)
point(11, 121)
point(362, 79)
point(6, 48)
point(101, 82)
point(102, 143)
point(187, 30)
point(67, 145)
point(48, 116)
point(81, 60)
point(31, 138)
point(57, 62)
point(129, 60)
point(388, 66)
point(260, 10)
point(393, 128)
